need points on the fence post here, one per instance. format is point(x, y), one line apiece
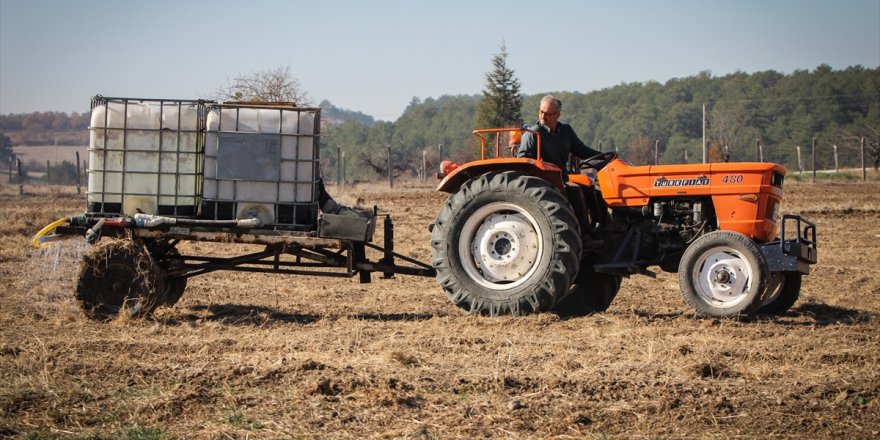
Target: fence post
point(656, 151)
point(836, 163)
point(339, 167)
point(864, 170)
point(705, 144)
point(78, 175)
point(390, 176)
point(424, 165)
point(20, 178)
point(440, 157)
point(814, 158)
point(48, 174)
point(800, 162)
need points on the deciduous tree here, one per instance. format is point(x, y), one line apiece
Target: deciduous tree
point(270, 85)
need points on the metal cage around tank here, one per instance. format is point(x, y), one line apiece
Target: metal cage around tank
point(146, 155)
point(262, 161)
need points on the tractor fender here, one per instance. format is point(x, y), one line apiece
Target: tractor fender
point(467, 171)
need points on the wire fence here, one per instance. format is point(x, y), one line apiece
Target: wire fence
point(843, 161)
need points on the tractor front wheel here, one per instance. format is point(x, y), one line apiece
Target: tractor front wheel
point(723, 274)
point(506, 242)
point(785, 288)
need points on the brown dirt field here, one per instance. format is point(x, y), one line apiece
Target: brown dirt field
point(273, 356)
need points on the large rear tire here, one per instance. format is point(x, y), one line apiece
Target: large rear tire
point(118, 277)
point(723, 274)
point(784, 290)
point(506, 242)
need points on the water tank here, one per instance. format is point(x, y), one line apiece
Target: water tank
point(262, 161)
point(146, 156)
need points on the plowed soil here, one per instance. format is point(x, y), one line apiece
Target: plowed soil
point(247, 355)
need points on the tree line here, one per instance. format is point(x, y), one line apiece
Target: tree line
point(768, 111)
point(46, 128)
point(746, 113)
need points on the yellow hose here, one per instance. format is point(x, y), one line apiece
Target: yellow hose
point(51, 227)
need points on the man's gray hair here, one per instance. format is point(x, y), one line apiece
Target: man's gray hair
point(557, 104)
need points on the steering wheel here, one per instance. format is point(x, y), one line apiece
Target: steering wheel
point(598, 161)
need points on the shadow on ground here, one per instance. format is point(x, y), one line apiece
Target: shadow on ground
point(253, 315)
point(825, 314)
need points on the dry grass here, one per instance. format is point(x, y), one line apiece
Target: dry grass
point(272, 356)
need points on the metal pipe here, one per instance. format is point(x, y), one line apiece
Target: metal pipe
point(151, 221)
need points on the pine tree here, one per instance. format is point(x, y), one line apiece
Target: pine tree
point(502, 102)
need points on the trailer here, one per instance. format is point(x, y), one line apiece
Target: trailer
point(166, 171)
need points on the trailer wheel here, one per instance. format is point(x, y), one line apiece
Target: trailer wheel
point(591, 293)
point(784, 290)
point(506, 242)
point(723, 274)
point(118, 277)
point(174, 287)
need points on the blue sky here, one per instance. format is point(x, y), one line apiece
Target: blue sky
point(374, 56)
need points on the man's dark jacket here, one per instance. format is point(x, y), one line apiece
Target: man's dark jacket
point(556, 145)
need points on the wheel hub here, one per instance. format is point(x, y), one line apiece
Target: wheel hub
point(118, 281)
point(724, 278)
point(118, 288)
point(499, 247)
point(505, 247)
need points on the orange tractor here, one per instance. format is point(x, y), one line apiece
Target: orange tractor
point(519, 235)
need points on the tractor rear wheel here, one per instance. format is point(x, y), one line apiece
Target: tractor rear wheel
point(118, 277)
point(723, 274)
point(506, 242)
point(784, 290)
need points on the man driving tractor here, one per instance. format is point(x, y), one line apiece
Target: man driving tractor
point(558, 139)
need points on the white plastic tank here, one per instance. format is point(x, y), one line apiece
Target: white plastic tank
point(261, 161)
point(145, 155)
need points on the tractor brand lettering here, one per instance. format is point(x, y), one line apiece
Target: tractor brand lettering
point(663, 182)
